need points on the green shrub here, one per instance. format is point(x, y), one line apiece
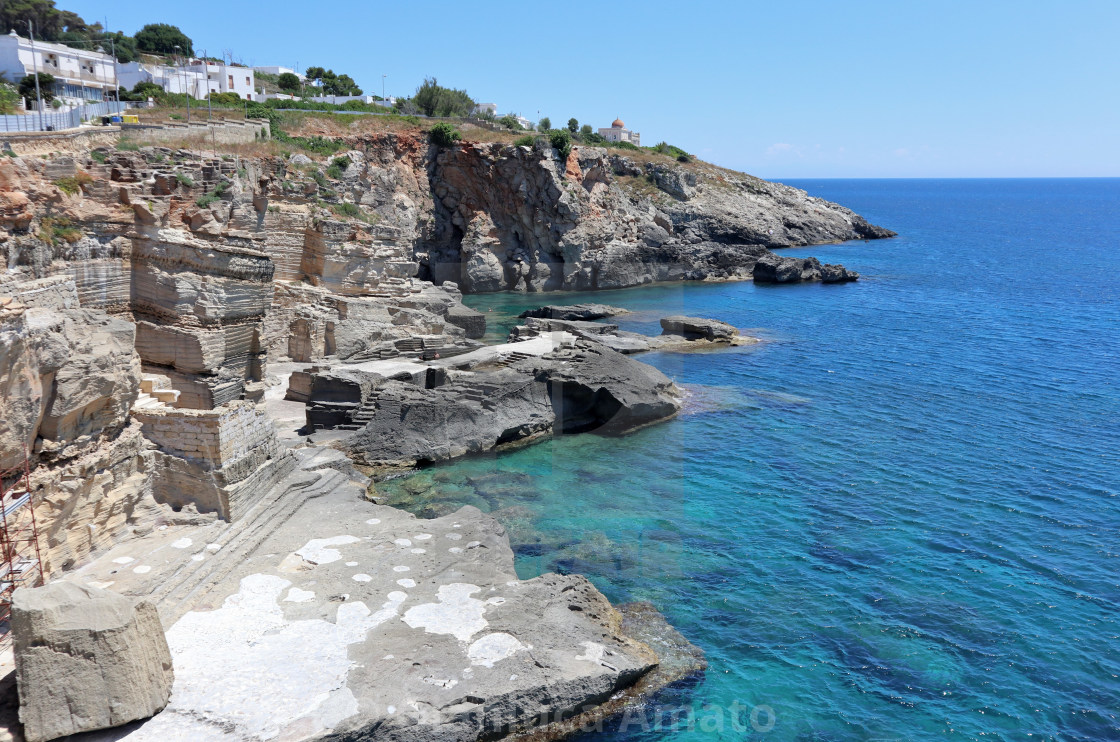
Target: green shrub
point(561, 141)
point(444, 134)
point(510, 123)
point(127, 145)
point(664, 148)
point(353, 211)
point(320, 179)
point(184, 179)
point(73, 184)
point(624, 145)
point(53, 230)
point(525, 141)
point(98, 156)
point(212, 196)
point(338, 166)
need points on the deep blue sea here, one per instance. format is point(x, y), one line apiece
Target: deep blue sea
point(896, 518)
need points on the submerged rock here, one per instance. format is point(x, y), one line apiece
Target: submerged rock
point(86, 659)
point(582, 312)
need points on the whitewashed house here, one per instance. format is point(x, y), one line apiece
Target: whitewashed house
point(198, 78)
point(172, 79)
point(276, 70)
point(227, 78)
point(81, 75)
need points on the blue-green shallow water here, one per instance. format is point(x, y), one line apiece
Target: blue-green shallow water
point(896, 519)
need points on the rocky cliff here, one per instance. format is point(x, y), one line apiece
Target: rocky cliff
point(521, 218)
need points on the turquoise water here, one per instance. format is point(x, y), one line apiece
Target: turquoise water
point(897, 518)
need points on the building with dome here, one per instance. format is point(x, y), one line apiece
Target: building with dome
point(619, 133)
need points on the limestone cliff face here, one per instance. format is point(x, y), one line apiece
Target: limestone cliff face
point(519, 218)
point(173, 277)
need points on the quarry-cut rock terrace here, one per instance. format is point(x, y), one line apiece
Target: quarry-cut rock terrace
point(180, 327)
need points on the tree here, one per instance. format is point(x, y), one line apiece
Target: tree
point(315, 74)
point(288, 82)
point(46, 87)
point(545, 124)
point(435, 100)
point(585, 130)
point(49, 21)
point(340, 85)
point(162, 38)
point(573, 125)
point(510, 122)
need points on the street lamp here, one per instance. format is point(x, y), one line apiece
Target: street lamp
point(186, 81)
point(383, 86)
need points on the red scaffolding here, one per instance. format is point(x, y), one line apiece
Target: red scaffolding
point(20, 563)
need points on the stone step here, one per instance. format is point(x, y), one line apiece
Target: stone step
point(145, 401)
point(167, 396)
point(239, 540)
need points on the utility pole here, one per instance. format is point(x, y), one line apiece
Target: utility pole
point(383, 86)
point(35, 71)
point(186, 80)
point(209, 102)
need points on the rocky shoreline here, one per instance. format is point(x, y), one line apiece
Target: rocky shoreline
point(150, 296)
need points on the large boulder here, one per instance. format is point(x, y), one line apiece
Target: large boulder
point(697, 328)
point(595, 389)
point(410, 425)
point(774, 269)
point(86, 659)
point(581, 312)
point(471, 321)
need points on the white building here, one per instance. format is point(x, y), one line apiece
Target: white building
point(227, 78)
point(619, 133)
point(274, 70)
point(172, 79)
point(198, 78)
point(338, 100)
point(80, 74)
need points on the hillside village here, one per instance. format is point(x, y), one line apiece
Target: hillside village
point(75, 66)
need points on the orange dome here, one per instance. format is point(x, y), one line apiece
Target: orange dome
point(618, 124)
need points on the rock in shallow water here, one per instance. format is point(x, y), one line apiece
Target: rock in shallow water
point(774, 269)
point(581, 312)
point(697, 328)
point(86, 659)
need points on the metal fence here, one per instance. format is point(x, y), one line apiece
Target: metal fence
point(54, 121)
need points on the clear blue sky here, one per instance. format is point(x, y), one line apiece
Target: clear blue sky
point(831, 88)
